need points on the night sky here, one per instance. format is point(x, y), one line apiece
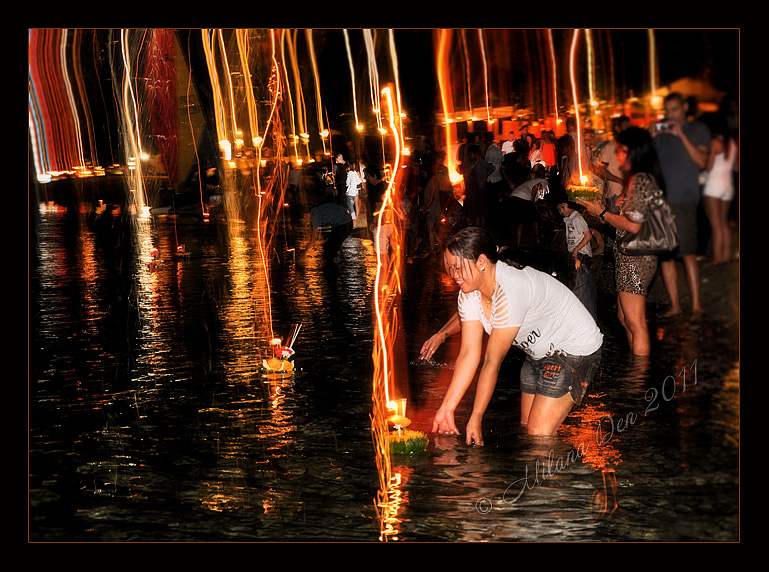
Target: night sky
point(698, 53)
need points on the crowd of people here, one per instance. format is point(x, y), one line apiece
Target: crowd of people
point(510, 189)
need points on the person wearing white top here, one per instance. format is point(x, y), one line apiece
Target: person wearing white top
point(518, 306)
point(354, 184)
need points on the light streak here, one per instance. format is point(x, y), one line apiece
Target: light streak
point(653, 69)
point(555, 76)
point(447, 102)
point(52, 106)
point(386, 288)
point(485, 74)
point(293, 137)
point(318, 101)
point(399, 108)
point(132, 133)
point(373, 75)
point(253, 117)
point(352, 79)
point(590, 68)
point(468, 86)
point(299, 114)
point(572, 65)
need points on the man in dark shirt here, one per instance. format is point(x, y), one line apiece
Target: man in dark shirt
point(683, 147)
point(329, 215)
point(340, 178)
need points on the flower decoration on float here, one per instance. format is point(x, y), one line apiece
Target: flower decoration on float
point(582, 191)
point(281, 363)
point(404, 441)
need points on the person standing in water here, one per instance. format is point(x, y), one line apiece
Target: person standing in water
point(529, 309)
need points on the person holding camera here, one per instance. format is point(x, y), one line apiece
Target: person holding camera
point(683, 148)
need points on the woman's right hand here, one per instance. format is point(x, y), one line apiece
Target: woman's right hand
point(444, 422)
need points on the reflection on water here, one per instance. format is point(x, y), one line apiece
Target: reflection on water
point(150, 421)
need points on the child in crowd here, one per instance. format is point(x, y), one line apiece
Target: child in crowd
point(578, 237)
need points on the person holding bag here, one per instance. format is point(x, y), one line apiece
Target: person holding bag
point(641, 193)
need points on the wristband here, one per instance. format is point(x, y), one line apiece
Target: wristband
point(602, 214)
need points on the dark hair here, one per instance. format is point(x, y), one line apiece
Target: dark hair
point(472, 241)
point(641, 154)
point(674, 96)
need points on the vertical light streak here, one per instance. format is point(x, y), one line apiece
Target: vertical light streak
point(468, 81)
point(352, 79)
point(276, 181)
point(555, 76)
point(130, 115)
point(373, 75)
point(399, 107)
point(290, 103)
point(77, 66)
point(485, 74)
point(388, 204)
point(243, 52)
point(52, 105)
point(447, 102)
point(213, 74)
point(36, 109)
point(590, 68)
point(572, 65)
point(228, 77)
point(301, 109)
point(318, 101)
point(652, 65)
point(386, 286)
point(71, 99)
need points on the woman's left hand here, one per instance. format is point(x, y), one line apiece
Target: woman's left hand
point(474, 433)
point(592, 207)
point(429, 347)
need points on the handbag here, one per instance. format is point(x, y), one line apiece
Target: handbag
point(658, 233)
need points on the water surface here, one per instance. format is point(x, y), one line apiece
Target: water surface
point(149, 420)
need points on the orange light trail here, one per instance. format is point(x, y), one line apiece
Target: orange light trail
point(292, 136)
point(572, 65)
point(301, 110)
point(53, 116)
point(447, 102)
point(131, 124)
point(485, 74)
point(373, 75)
point(318, 102)
point(358, 126)
point(555, 75)
point(386, 289)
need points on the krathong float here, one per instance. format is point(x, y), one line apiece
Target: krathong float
point(281, 363)
point(584, 191)
point(404, 441)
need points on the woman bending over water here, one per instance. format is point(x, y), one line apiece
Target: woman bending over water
point(518, 306)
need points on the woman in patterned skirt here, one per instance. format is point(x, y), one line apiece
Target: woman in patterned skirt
point(633, 274)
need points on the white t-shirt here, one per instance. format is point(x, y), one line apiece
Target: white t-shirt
point(523, 191)
point(575, 232)
point(549, 316)
point(353, 180)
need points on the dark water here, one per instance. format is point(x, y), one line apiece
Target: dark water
point(150, 422)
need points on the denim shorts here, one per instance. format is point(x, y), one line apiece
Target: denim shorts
point(559, 374)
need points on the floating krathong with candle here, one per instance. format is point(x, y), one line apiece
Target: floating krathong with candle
point(404, 441)
point(408, 442)
point(281, 363)
point(583, 191)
